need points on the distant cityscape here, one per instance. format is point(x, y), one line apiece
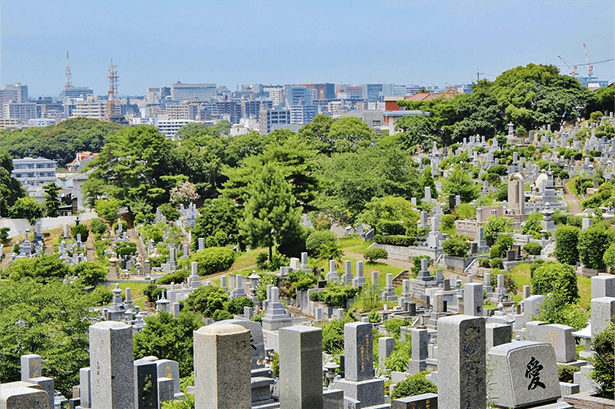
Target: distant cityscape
point(252, 107)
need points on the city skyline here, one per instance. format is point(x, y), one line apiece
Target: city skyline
point(239, 42)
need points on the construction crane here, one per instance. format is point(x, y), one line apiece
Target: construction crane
point(590, 68)
point(573, 71)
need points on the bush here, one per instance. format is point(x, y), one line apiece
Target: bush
point(206, 300)
point(565, 373)
point(593, 243)
point(220, 315)
point(400, 357)
point(448, 222)
point(333, 335)
point(100, 296)
point(98, 227)
point(554, 277)
point(505, 242)
point(465, 211)
point(395, 240)
point(90, 272)
point(494, 226)
point(257, 317)
point(414, 385)
point(566, 244)
point(261, 260)
point(318, 240)
point(152, 292)
point(484, 262)
point(497, 263)
point(393, 228)
point(235, 306)
point(81, 229)
point(374, 317)
point(169, 212)
point(335, 295)
point(533, 249)
point(416, 264)
point(178, 277)
point(4, 233)
point(213, 260)
point(374, 253)
point(456, 246)
point(604, 361)
point(495, 251)
point(393, 326)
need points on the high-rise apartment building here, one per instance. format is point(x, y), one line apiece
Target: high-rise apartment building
point(16, 93)
point(271, 119)
point(182, 111)
point(21, 111)
point(302, 114)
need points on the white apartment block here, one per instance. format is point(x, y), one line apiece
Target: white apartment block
point(169, 127)
point(34, 171)
point(21, 111)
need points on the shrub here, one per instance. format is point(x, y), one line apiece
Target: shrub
point(374, 317)
point(448, 221)
point(206, 300)
point(374, 253)
point(505, 241)
point(318, 240)
point(604, 361)
point(566, 244)
point(484, 262)
point(393, 326)
point(90, 272)
point(395, 240)
point(220, 315)
point(400, 357)
point(497, 263)
point(177, 277)
point(496, 251)
point(257, 317)
point(213, 260)
point(152, 292)
point(335, 295)
point(593, 243)
point(416, 384)
point(98, 227)
point(81, 229)
point(416, 264)
point(169, 212)
point(566, 373)
point(532, 248)
point(554, 277)
point(456, 246)
point(261, 260)
point(100, 296)
point(532, 225)
point(4, 233)
point(333, 335)
point(393, 228)
point(235, 306)
point(494, 226)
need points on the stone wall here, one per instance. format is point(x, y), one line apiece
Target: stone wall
point(406, 253)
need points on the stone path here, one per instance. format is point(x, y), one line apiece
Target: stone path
point(132, 236)
point(574, 205)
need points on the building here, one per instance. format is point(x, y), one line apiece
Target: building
point(272, 119)
point(323, 91)
point(371, 92)
point(230, 108)
point(16, 93)
point(75, 93)
point(252, 108)
point(34, 171)
point(392, 112)
point(190, 92)
point(276, 95)
point(90, 108)
point(41, 122)
point(303, 114)
point(298, 95)
point(183, 111)
point(169, 127)
point(21, 111)
point(393, 89)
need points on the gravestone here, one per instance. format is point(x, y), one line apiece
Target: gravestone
point(473, 299)
point(146, 384)
point(603, 286)
point(169, 369)
point(422, 401)
point(30, 366)
point(498, 334)
point(526, 372)
point(85, 387)
point(420, 342)
point(222, 365)
point(22, 395)
point(462, 369)
point(257, 341)
point(112, 375)
point(602, 312)
point(301, 368)
point(386, 345)
point(560, 336)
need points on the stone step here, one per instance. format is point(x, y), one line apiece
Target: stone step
point(404, 275)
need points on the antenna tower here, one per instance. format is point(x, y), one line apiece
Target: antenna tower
point(67, 84)
point(113, 80)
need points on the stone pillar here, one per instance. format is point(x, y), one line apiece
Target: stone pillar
point(498, 334)
point(358, 346)
point(112, 375)
point(201, 243)
point(222, 367)
point(304, 259)
point(85, 387)
point(30, 366)
point(386, 345)
point(300, 368)
point(462, 369)
point(420, 341)
point(603, 310)
point(473, 299)
point(603, 286)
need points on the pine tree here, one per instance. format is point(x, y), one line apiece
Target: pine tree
point(52, 205)
point(269, 213)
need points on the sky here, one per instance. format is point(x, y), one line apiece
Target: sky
point(232, 42)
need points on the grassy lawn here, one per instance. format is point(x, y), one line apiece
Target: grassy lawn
point(521, 275)
point(585, 291)
point(354, 244)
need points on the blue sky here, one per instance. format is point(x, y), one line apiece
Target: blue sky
point(155, 43)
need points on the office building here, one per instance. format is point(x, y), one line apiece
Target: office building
point(302, 114)
point(16, 93)
point(272, 119)
point(252, 108)
point(21, 111)
point(372, 92)
point(189, 92)
point(230, 108)
point(183, 111)
point(169, 127)
point(298, 95)
point(75, 93)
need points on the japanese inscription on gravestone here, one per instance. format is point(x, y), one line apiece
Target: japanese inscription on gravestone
point(532, 371)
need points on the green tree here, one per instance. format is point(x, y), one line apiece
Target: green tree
point(82, 230)
point(316, 134)
point(107, 209)
point(459, 182)
point(270, 211)
point(415, 131)
point(206, 300)
point(457, 246)
point(494, 226)
point(382, 210)
point(52, 203)
point(556, 310)
point(349, 133)
point(318, 240)
point(89, 272)
point(375, 253)
point(169, 212)
point(213, 260)
point(169, 338)
point(27, 208)
point(50, 320)
point(593, 243)
point(556, 278)
point(427, 181)
point(43, 268)
point(217, 223)
point(603, 361)
point(566, 244)
point(10, 188)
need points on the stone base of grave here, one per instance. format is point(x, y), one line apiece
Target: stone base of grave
point(418, 287)
point(369, 393)
point(557, 405)
point(274, 323)
point(576, 364)
point(261, 391)
point(589, 272)
point(23, 394)
point(587, 400)
point(415, 367)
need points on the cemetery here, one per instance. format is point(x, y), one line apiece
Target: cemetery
point(491, 286)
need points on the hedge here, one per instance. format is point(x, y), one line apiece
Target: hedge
point(395, 240)
point(213, 260)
